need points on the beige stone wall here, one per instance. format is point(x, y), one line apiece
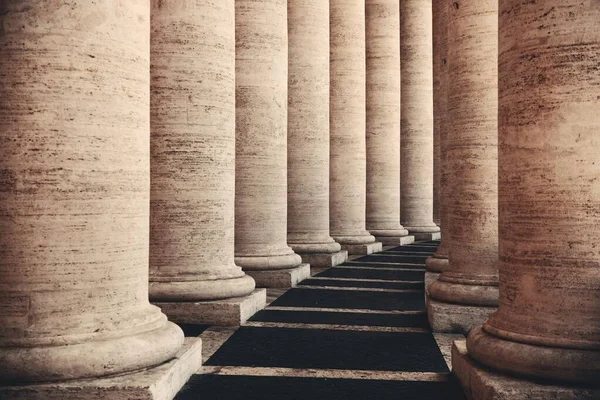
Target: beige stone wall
point(193, 152)
point(74, 156)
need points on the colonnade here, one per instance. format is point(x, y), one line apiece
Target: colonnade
point(190, 154)
point(519, 178)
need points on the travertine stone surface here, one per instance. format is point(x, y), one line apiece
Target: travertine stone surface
point(548, 321)
point(416, 213)
point(227, 312)
point(383, 118)
point(481, 383)
point(439, 261)
point(261, 136)
point(430, 277)
point(325, 259)
point(158, 383)
point(472, 157)
point(282, 278)
point(192, 145)
point(455, 318)
point(308, 127)
point(439, 11)
point(363, 249)
point(347, 194)
point(395, 240)
point(74, 162)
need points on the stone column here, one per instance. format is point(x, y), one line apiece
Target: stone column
point(308, 134)
point(467, 291)
point(261, 145)
point(193, 164)
point(416, 213)
point(439, 261)
point(75, 175)
point(383, 122)
point(548, 322)
point(347, 193)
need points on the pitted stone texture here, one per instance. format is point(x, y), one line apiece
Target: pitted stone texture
point(440, 128)
point(363, 249)
point(192, 146)
point(423, 236)
point(383, 118)
point(455, 318)
point(74, 162)
point(282, 278)
point(430, 277)
point(325, 259)
point(308, 127)
point(347, 192)
point(481, 383)
point(549, 196)
point(471, 278)
point(159, 383)
point(416, 135)
point(261, 136)
point(395, 240)
point(227, 312)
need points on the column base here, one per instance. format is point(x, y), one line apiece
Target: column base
point(436, 264)
point(426, 236)
point(431, 277)
point(280, 278)
point(363, 249)
point(395, 240)
point(227, 312)
point(321, 260)
point(454, 318)
point(158, 383)
point(481, 383)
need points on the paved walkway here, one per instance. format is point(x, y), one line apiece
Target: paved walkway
point(354, 331)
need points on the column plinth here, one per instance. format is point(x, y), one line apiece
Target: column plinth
point(347, 192)
point(440, 260)
point(261, 137)
point(548, 322)
point(471, 279)
point(74, 215)
point(308, 133)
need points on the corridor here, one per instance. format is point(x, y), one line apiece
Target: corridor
point(354, 331)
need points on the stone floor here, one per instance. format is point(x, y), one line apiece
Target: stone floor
point(354, 331)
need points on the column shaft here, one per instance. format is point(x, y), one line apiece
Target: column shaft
point(417, 117)
point(193, 152)
point(75, 175)
point(471, 277)
point(347, 123)
point(308, 127)
point(441, 81)
point(548, 321)
point(383, 119)
point(261, 136)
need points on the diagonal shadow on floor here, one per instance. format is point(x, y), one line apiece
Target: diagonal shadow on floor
point(350, 332)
